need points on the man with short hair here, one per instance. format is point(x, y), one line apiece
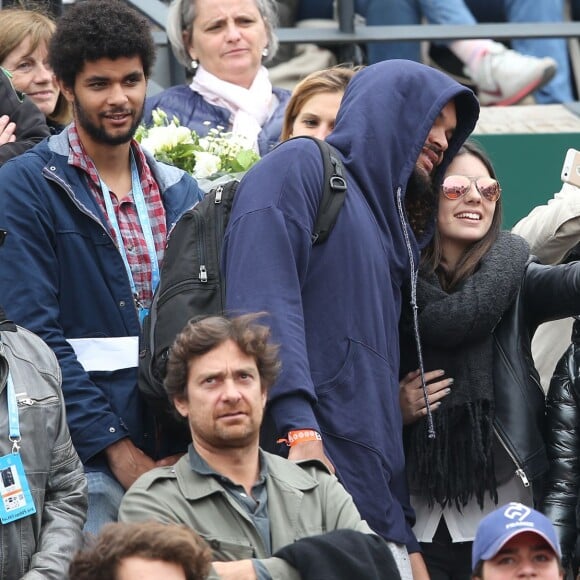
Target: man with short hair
point(261, 514)
point(88, 213)
point(143, 551)
point(335, 306)
point(516, 541)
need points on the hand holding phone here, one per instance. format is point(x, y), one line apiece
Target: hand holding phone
point(571, 168)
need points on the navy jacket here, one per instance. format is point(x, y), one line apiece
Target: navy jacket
point(335, 307)
point(195, 112)
point(63, 277)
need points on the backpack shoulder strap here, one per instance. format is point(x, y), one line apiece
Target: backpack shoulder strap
point(334, 192)
point(333, 195)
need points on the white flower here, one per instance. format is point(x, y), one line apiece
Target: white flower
point(159, 117)
point(166, 137)
point(206, 164)
point(212, 156)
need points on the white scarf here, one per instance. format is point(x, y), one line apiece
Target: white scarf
point(250, 108)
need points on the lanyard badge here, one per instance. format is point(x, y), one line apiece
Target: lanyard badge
point(143, 214)
point(16, 499)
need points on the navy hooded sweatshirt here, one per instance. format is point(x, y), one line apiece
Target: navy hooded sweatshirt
point(334, 308)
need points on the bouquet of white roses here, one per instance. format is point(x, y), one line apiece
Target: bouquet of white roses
point(218, 154)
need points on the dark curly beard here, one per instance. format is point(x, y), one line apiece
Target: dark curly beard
point(421, 200)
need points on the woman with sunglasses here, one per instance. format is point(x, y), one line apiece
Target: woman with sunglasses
point(474, 417)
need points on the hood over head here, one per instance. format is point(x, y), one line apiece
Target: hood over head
point(384, 119)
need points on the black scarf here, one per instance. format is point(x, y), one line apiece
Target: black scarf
point(456, 334)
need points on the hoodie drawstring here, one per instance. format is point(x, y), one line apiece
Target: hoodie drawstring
point(414, 275)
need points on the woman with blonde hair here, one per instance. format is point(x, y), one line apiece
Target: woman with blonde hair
point(314, 103)
point(24, 54)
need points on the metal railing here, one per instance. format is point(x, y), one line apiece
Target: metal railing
point(169, 72)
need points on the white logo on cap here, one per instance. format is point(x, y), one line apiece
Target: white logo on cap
point(517, 511)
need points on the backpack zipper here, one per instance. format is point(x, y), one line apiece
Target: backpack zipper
point(202, 273)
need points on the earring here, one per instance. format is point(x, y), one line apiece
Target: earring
point(266, 51)
point(194, 64)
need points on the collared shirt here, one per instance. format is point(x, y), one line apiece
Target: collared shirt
point(126, 213)
point(255, 505)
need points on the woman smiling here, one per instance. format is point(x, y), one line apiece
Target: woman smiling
point(474, 421)
point(24, 54)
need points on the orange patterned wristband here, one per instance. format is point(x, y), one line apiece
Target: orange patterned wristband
point(300, 436)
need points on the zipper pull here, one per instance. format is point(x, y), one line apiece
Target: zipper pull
point(28, 402)
point(522, 475)
point(202, 273)
point(218, 194)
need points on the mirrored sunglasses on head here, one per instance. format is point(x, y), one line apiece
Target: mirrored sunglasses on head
point(456, 186)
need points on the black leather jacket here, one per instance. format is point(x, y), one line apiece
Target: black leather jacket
point(560, 502)
point(546, 293)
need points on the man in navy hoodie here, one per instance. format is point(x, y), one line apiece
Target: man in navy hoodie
point(334, 308)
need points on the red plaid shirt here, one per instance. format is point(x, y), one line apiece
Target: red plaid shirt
point(126, 213)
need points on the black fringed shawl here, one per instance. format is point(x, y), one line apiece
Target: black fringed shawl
point(456, 334)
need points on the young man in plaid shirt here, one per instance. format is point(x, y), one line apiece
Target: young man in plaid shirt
point(88, 213)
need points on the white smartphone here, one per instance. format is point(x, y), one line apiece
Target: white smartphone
point(571, 168)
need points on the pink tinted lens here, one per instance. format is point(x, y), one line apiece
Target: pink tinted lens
point(489, 188)
point(455, 186)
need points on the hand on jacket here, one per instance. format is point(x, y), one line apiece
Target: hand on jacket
point(238, 570)
point(411, 397)
point(128, 462)
point(7, 130)
point(310, 450)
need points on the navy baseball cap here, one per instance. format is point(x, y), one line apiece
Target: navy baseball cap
point(506, 522)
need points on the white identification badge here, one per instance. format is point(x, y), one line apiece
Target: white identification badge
point(17, 500)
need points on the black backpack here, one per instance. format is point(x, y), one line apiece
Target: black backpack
point(190, 280)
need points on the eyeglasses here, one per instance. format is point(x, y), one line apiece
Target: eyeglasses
point(456, 186)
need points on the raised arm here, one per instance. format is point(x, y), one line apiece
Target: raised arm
point(552, 230)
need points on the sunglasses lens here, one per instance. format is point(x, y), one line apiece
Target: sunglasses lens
point(489, 188)
point(455, 186)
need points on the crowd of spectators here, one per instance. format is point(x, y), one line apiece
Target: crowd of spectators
point(356, 417)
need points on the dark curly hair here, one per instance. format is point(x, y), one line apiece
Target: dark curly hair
point(95, 29)
point(202, 335)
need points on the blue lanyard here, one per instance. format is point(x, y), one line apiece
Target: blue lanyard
point(143, 215)
point(13, 419)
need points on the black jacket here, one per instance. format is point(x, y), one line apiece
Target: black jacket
point(341, 555)
point(31, 127)
point(547, 293)
point(560, 502)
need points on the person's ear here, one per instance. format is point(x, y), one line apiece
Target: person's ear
point(181, 405)
point(67, 91)
point(186, 36)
